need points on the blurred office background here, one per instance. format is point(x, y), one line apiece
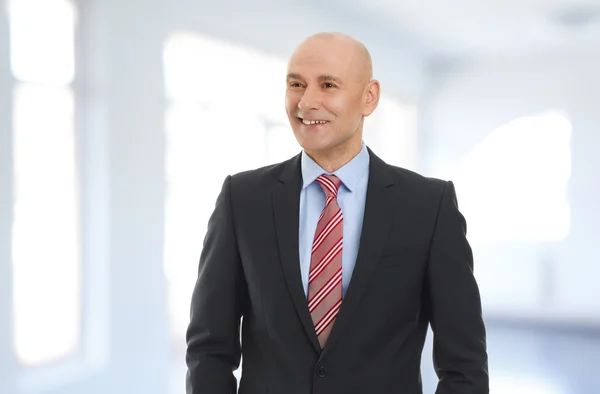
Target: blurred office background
point(120, 119)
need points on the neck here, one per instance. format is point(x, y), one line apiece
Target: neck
point(333, 160)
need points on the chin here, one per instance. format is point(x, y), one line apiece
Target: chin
point(316, 146)
point(308, 141)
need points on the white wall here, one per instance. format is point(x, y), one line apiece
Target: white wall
point(471, 102)
point(7, 362)
point(121, 119)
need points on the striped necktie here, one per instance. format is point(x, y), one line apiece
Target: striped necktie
point(325, 275)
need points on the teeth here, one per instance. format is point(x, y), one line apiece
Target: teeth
point(307, 122)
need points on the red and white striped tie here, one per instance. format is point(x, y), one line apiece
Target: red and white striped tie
point(325, 275)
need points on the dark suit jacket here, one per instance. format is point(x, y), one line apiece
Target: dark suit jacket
point(414, 268)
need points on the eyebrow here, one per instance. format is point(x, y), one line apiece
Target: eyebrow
point(322, 78)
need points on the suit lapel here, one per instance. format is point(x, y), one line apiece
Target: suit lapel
point(379, 205)
point(286, 205)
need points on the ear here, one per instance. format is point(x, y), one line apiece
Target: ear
point(371, 97)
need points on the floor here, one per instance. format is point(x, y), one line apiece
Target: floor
point(523, 360)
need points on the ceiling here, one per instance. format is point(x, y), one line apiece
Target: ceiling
point(474, 27)
point(411, 39)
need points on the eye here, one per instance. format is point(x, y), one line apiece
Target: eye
point(295, 85)
point(328, 85)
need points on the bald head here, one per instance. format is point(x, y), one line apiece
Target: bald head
point(330, 90)
point(327, 42)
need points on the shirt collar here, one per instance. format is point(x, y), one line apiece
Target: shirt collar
point(350, 174)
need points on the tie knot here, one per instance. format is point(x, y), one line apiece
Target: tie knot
point(330, 184)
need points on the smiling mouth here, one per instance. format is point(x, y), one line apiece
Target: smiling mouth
point(312, 122)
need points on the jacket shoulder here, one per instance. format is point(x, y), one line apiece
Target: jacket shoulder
point(418, 181)
point(262, 178)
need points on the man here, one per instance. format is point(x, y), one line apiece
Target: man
point(336, 261)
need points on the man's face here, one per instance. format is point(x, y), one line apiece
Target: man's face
point(326, 95)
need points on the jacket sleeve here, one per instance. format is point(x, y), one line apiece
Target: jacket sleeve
point(217, 304)
point(459, 336)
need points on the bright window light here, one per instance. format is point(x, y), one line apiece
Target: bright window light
point(45, 239)
point(519, 174)
point(42, 41)
point(388, 131)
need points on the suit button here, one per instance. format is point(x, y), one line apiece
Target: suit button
point(321, 372)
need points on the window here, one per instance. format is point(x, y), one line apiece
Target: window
point(46, 309)
point(391, 131)
point(513, 185)
point(220, 121)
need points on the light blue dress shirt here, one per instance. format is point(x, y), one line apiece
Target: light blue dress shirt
point(351, 199)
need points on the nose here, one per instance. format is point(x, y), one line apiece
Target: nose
point(310, 100)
